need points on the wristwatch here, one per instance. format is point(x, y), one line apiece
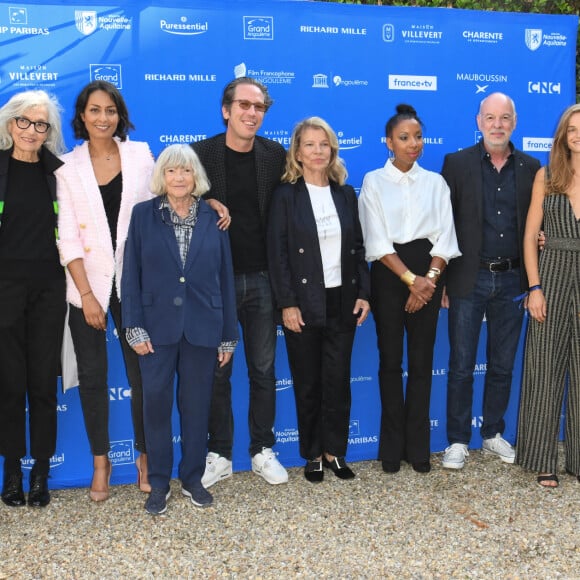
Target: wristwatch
point(433, 274)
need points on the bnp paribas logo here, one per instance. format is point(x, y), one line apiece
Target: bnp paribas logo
point(86, 21)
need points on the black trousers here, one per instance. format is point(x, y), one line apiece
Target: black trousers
point(91, 353)
point(405, 425)
point(319, 361)
point(32, 317)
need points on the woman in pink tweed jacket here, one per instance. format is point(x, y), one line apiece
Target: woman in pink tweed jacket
point(98, 185)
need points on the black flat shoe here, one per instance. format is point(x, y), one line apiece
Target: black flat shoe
point(313, 471)
point(339, 467)
point(422, 467)
point(38, 496)
point(12, 492)
point(391, 466)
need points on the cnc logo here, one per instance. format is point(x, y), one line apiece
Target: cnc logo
point(119, 393)
point(543, 88)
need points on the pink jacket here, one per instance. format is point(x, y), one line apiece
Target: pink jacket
point(82, 223)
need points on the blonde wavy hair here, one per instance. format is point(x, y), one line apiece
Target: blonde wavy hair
point(336, 170)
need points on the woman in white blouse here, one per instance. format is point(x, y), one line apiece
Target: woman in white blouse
point(409, 236)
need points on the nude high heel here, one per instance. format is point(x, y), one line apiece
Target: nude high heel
point(142, 479)
point(101, 467)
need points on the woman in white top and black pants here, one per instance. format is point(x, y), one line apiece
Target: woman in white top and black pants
point(407, 223)
point(320, 283)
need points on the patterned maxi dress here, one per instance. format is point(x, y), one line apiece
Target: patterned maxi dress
point(553, 349)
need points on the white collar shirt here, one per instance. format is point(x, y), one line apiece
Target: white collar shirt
point(398, 207)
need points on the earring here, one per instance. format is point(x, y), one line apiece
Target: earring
point(391, 154)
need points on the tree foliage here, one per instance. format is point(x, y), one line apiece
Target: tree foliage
point(534, 6)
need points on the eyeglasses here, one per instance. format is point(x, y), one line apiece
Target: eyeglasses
point(246, 105)
point(39, 126)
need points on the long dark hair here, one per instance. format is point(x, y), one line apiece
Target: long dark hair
point(124, 125)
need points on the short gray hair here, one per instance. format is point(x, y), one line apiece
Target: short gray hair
point(22, 102)
point(179, 156)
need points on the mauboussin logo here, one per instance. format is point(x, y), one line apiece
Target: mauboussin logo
point(121, 452)
point(107, 72)
point(258, 28)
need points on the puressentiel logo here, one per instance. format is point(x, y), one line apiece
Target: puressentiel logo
point(412, 83)
point(121, 452)
point(107, 72)
point(55, 461)
point(258, 28)
point(183, 27)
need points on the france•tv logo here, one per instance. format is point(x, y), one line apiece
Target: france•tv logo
point(107, 72)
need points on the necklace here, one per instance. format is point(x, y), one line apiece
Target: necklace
point(108, 156)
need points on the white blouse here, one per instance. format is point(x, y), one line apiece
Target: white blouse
point(397, 207)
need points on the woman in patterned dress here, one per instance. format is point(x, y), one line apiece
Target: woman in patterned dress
point(552, 357)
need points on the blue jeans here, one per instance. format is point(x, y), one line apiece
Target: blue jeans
point(256, 317)
point(493, 296)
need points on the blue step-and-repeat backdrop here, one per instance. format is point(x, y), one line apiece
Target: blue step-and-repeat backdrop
point(349, 64)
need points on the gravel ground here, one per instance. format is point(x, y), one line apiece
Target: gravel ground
point(489, 520)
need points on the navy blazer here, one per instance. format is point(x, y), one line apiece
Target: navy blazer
point(270, 159)
point(170, 301)
point(294, 259)
point(462, 172)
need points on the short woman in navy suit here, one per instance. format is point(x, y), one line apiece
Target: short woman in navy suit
point(179, 311)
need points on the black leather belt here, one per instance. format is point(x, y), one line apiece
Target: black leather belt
point(500, 265)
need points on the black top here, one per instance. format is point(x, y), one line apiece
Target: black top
point(111, 194)
point(500, 236)
point(246, 232)
point(27, 236)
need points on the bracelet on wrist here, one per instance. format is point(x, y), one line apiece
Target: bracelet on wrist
point(86, 293)
point(408, 278)
point(433, 274)
point(534, 287)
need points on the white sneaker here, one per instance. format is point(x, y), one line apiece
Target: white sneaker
point(217, 467)
point(499, 446)
point(454, 457)
point(267, 465)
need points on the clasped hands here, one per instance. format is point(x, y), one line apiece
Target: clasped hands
point(420, 293)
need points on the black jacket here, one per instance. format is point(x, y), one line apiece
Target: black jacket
point(462, 172)
point(294, 259)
